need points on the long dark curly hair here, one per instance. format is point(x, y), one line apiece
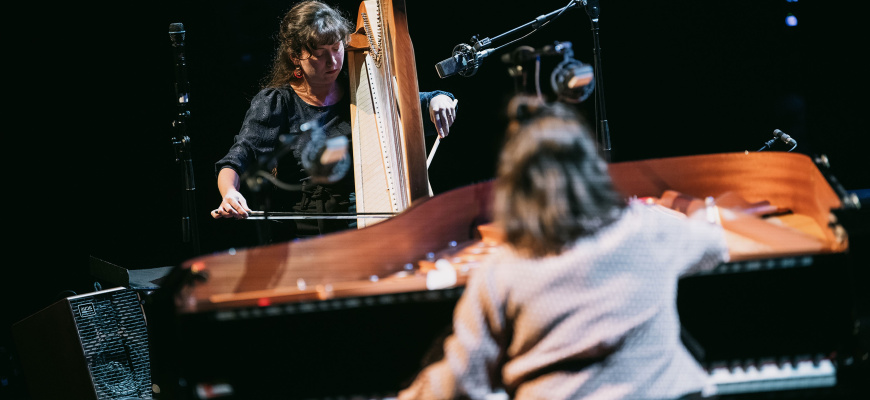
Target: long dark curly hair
point(552, 186)
point(307, 26)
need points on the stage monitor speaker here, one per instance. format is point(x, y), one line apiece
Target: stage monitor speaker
point(90, 346)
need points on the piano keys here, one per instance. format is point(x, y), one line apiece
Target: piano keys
point(772, 328)
point(772, 376)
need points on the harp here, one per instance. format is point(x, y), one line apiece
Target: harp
point(389, 149)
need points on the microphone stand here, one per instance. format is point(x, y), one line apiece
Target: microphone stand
point(602, 128)
point(181, 142)
point(534, 24)
point(767, 145)
point(189, 230)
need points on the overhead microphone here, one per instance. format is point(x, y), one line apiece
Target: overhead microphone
point(324, 158)
point(572, 80)
point(465, 61)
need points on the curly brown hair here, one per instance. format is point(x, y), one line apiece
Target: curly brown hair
point(552, 186)
point(307, 26)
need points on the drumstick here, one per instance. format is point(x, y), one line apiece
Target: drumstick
point(437, 142)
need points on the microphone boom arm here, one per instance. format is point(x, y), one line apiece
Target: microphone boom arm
point(466, 59)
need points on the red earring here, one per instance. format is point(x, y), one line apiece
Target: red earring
point(297, 72)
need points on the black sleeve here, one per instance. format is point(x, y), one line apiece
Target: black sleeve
point(425, 97)
point(264, 121)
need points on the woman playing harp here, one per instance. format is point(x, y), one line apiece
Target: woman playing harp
point(308, 82)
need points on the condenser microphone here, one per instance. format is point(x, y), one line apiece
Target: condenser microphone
point(573, 81)
point(177, 34)
point(326, 159)
point(785, 138)
point(464, 61)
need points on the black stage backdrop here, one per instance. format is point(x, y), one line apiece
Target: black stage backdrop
point(681, 77)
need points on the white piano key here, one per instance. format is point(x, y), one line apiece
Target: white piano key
point(826, 367)
point(751, 373)
point(771, 371)
point(809, 368)
point(721, 375)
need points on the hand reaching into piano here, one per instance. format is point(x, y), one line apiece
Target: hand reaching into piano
point(442, 111)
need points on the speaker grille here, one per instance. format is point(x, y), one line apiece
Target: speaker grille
point(114, 338)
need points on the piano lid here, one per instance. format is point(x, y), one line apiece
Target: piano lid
point(789, 180)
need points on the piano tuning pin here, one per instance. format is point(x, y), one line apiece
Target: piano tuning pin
point(452, 243)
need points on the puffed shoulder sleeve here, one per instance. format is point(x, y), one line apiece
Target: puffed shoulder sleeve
point(266, 118)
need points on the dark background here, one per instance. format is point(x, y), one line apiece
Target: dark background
point(682, 77)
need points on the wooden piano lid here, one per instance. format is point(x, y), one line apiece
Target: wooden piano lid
point(789, 181)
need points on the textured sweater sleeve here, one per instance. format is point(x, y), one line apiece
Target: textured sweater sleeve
point(472, 352)
point(264, 122)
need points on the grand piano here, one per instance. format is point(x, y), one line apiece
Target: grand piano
point(358, 313)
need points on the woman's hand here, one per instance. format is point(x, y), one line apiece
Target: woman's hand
point(233, 205)
point(442, 111)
